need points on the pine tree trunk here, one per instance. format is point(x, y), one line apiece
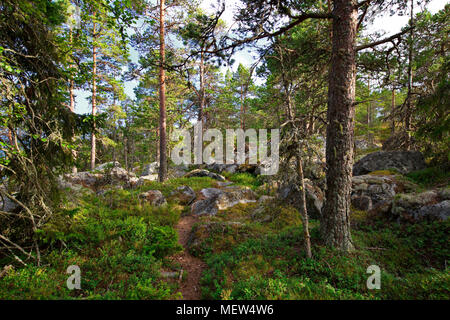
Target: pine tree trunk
point(393, 111)
point(335, 224)
point(72, 105)
point(94, 96)
point(408, 113)
point(162, 100)
point(202, 89)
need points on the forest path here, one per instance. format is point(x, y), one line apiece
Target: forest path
point(189, 287)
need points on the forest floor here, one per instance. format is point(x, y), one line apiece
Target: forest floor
point(127, 249)
point(191, 267)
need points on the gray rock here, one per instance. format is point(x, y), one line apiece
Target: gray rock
point(150, 169)
point(142, 180)
point(263, 199)
point(154, 197)
point(204, 173)
point(362, 202)
point(185, 195)
point(291, 194)
point(439, 211)
point(444, 194)
point(379, 189)
point(86, 179)
point(107, 166)
point(403, 161)
point(415, 207)
point(221, 199)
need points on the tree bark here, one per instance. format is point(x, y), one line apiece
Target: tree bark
point(335, 223)
point(94, 95)
point(393, 111)
point(408, 114)
point(162, 99)
point(202, 89)
point(72, 105)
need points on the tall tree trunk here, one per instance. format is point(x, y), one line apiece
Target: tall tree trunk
point(369, 114)
point(242, 108)
point(335, 223)
point(72, 105)
point(202, 89)
point(157, 144)
point(94, 95)
point(408, 113)
point(162, 99)
point(393, 111)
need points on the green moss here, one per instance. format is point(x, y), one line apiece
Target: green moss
point(430, 177)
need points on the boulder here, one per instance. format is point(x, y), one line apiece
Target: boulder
point(150, 169)
point(107, 166)
point(263, 199)
point(86, 179)
point(184, 194)
point(142, 180)
point(371, 191)
point(212, 200)
point(154, 197)
point(406, 207)
point(204, 173)
point(177, 171)
point(107, 173)
point(362, 202)
point(291, 194)
point(439, 211)
point(402, 161)
point(118, 174)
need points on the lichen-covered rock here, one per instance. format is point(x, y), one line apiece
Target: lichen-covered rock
point(362, 202)
point(414, 207)
point(143, 179)
point(177, 171)
point(154, 197)
point(379, 189)
point(184, 194)
point(439, 211)
point(118, 174)
point(107, 166)
point(402, 161)
point(212, 199)
point(405, 207)
point(291, 194)
point(106, 174)
point(150, 169)
point(204, 173)
point(86, 179)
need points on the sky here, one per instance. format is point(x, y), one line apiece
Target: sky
point(387, 24)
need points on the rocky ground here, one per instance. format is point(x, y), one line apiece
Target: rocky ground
point(223, 206)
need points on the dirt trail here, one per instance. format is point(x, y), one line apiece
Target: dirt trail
point(192, 266)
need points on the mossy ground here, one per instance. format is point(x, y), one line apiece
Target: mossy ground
point(121, 245)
